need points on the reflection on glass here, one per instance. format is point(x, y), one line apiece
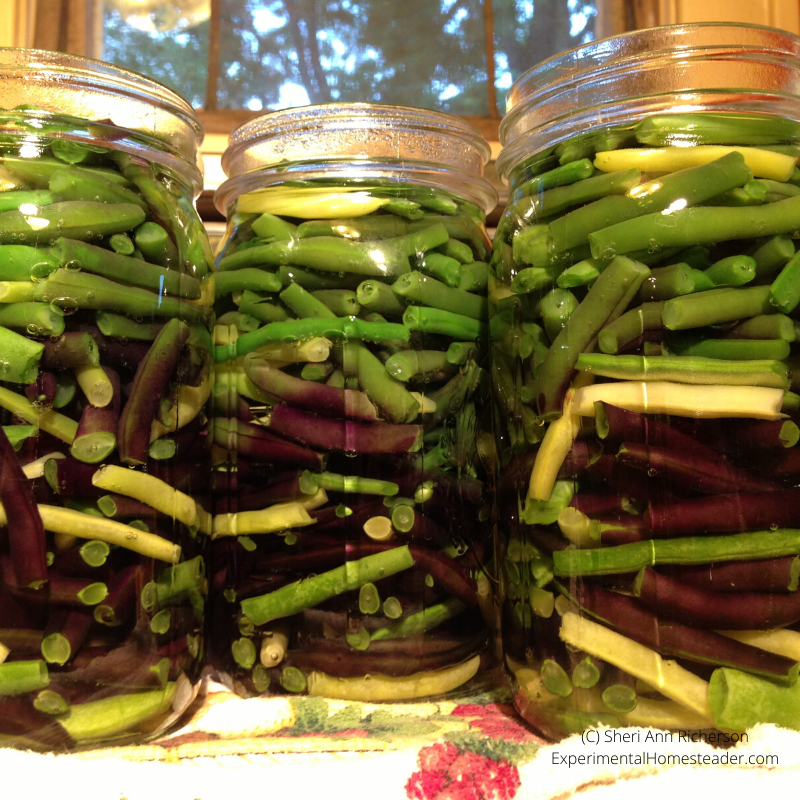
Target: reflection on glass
point(523, 38)
point(166, 41)
point(278, 54)
point(281, 54)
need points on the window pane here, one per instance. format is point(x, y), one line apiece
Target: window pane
point(527, 32)
point(166, 41)
point(276, 53)
point(280, 53)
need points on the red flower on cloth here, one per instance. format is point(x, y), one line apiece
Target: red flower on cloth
point(437, 757)
point(495, 720)
point(424, 785)
point(446, 773)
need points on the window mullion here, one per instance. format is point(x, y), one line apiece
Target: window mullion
point(213, 55)
point(488, 20)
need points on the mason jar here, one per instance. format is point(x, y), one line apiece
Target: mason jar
point(105, 333)
point(351, 544)
point(644, 297)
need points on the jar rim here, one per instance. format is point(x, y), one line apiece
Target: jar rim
point(648, 63)
point(342, 130)
point(99, 92)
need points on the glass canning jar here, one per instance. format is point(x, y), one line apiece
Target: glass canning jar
point(644, 301)
point(105, 316)
point(351, 530)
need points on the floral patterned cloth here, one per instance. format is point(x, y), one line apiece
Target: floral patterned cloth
point(471, 747)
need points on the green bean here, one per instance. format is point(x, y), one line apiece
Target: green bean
point(693, 550)
point(732, 271)
point(70, 289)
point(460, 226)
point(686, 369)
point(354, 484)
point(15, 199)
point(125, 328)
point(433, 201)
point(556, 308)
point(684, 188)
point(18, 677)
point(251, 304)
point(571, 172)
point(304, 303)
point(730, 349)
point(421, 622)
point(20, 359)
point(771, 254)
point(375, 295)
point(610, 289)
point(696, 256)
point(718, 305)
point(437, 265)
point(244, 322)
point(325, 253)
point(317, 372)
point(313, 281)
point(186, 228)
point(342, 302)
point(784, 292)
point(752, 193)
point(155, 244)
point(584, 273)
point(419, 241)
point(340, 329)
point(81, 255)
point(434, 320)
point(411, 364)
point(122, 243)
point(39, 319)
point(697, 226)
point(739, 701)
point(536, 248)
point(404, 208)
point(778, 190)
point(702, 283)
point(664, 283)
point(78, 185)
point(711, 128)
point(474, 277)
point(765, 326)
point(461, 352)
point(18, 262)
point(310, 592)
point(389, 395)
point(423, 289)
point(336, 379)
point(361, 228)
point(256, 280)
point(37, 172)
point(73, 220)
point(509, 337)
point(534, 279)
point(458, 250)
point(268, 226)
point(451, 397)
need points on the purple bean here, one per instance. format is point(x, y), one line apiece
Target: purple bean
point(26, 538)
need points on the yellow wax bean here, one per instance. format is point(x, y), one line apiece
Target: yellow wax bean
point(381, 688)
point(763, 163)
point(668, 677)
point(153, 492)
point(683, 400)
